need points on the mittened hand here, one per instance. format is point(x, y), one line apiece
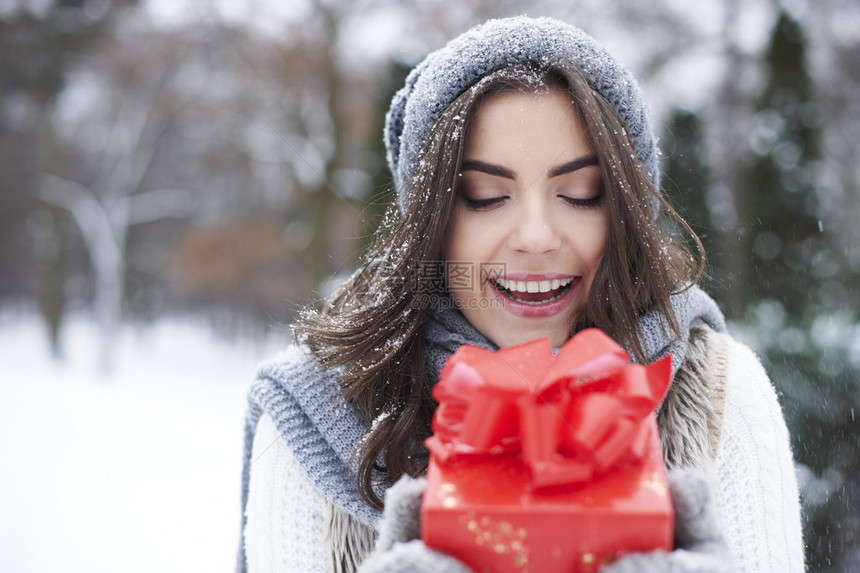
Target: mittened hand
point(411, 557)
point(700, 546)
point(401, 521)
point(399, 549)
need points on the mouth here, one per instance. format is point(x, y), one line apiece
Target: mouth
point(533, 293)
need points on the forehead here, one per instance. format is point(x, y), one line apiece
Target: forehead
point(521, 123)
point(524, 102)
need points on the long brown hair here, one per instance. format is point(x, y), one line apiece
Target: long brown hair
point(369, 329)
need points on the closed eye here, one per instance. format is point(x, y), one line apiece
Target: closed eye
point(482, 204)
point(583, 203)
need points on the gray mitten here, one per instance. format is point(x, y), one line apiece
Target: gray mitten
point(399, 549)
point(700, 547)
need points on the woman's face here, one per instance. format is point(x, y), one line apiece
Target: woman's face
point(529, 223)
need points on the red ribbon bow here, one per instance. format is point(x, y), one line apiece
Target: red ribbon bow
point(569, 418)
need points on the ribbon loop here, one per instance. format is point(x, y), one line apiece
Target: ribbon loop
point(569, 418)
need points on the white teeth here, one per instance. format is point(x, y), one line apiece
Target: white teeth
point(532, 286)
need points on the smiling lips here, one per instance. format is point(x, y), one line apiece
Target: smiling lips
point(533, 293)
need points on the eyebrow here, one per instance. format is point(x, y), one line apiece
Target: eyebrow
point(488, 168)
point(499, 171)
point(574, 165)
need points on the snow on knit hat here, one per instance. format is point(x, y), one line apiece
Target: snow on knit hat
point(446, 73)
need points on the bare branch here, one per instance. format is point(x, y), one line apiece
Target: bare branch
point(135, 156)
point(80, 201)
point(159, 204)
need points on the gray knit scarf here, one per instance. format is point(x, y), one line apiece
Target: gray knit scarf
point(322, 430)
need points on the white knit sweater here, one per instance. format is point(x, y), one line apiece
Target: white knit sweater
point(757, 495)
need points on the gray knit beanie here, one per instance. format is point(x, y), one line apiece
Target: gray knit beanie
point(446, 73)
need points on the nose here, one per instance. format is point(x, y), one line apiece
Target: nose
point(534, 228)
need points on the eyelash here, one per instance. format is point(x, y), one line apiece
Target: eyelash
point(482, 204)
point(584, 203)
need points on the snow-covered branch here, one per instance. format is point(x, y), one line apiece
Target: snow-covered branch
point(79, 200)
point(159, 204)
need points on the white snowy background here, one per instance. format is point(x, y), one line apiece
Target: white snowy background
point(136, 471)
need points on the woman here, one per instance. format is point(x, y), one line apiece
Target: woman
point(528, 205)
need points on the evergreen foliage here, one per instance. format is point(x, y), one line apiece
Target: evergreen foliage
point(779, 205)
point(797, 307)
point(381, 184)
point(687, 180)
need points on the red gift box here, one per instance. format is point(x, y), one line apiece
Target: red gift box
point(542, 464)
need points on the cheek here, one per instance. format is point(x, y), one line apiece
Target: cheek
point(588, 237)
point(599, 238)
point(461, 239)
point(465, 254)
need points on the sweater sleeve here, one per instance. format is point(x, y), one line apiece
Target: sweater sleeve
point(758, 495)
point(287, 517)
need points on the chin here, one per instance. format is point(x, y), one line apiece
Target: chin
point(514, 337)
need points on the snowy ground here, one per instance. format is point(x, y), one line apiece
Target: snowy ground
point(138, 471)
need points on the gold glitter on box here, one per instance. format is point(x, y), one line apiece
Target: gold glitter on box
point(502, 536)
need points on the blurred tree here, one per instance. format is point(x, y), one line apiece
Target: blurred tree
point(686, 179)
point(322, 198)
point(39, 43)
point(779, 203)
point(107, 191)
point(381, 192)
point(793, 297)
point(50, 251)
point(342, 182)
